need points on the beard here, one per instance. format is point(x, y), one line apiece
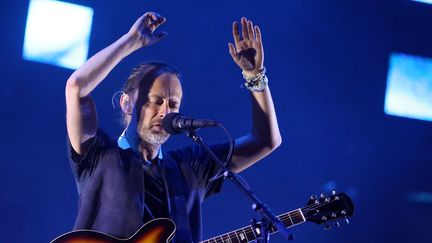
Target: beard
point(154, 137)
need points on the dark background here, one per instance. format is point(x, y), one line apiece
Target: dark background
point(327, 63)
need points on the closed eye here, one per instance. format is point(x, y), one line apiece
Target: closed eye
point(174, 104)
point(156, 101)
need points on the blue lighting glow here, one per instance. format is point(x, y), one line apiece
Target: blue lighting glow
point(57, 33)
point(424, 1)
point(421, 197)
point(409, 87)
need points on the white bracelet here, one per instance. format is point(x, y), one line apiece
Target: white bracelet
point(256, 83)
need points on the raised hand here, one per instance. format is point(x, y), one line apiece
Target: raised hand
point(247, 53)
point(143, 29)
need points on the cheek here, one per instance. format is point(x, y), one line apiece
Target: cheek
point(147, 114)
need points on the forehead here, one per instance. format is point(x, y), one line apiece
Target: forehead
point(167, 85)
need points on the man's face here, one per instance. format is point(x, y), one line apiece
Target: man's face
point(163, 97)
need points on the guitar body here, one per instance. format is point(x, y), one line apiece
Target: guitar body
point(156, 231)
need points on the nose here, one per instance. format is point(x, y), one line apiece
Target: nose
point(164, 110)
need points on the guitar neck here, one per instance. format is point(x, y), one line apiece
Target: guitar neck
point(249, 233)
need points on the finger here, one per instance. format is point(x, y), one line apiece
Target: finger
point(233, 52)
point(148, 22)
point(153, 20)
point(235, 33)
point(142, 18)
point(258, 34)
point(141, 21)
point(160, 35)
point(148, 17)
point(244, 28)
point(155, 38)
point(250, 30)
point(157, 18)
point(154, 17)
point(155, 25)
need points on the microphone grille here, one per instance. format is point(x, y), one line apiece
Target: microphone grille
point(167, 123)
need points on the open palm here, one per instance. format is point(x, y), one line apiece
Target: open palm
point(247, 52)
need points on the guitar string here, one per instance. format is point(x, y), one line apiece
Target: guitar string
point(293, 214)
point(317, 205)
point(248, 230)
point(295, 218)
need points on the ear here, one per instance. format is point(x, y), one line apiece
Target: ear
point(126, 104)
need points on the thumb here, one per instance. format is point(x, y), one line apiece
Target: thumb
point(160, 35)
point(233, 52)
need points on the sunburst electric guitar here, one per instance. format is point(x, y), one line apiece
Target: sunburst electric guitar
point(318, 210)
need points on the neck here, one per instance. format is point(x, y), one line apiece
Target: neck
point(148, 151)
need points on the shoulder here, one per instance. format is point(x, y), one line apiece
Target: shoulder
point(98, 146)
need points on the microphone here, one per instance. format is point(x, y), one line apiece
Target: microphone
point(175, 123)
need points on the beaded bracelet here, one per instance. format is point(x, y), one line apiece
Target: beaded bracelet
point(256, 83)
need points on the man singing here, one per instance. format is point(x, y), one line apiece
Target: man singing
point(126, 182)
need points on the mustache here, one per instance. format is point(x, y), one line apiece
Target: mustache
point(158, 121)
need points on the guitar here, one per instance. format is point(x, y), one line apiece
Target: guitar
point(318, 210)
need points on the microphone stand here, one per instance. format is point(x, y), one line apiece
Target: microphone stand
point(267, 217)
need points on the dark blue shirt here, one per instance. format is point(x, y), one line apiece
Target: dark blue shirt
point(110, 182)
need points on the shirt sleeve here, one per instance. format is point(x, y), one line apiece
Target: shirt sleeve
point(83, 165)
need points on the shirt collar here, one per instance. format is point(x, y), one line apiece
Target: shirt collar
point(123, 143)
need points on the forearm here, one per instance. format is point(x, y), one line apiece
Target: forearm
point(92, 72)
point(264, 136)
point(265, 128)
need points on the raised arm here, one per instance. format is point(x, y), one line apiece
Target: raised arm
point(81, 115)
point(264, 136)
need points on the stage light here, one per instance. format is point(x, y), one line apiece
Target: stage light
point(421, 197)
point(409, 87)
point(423, 1)
point(57, 33)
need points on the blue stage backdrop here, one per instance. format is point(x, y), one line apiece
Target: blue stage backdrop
point(327, 64)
